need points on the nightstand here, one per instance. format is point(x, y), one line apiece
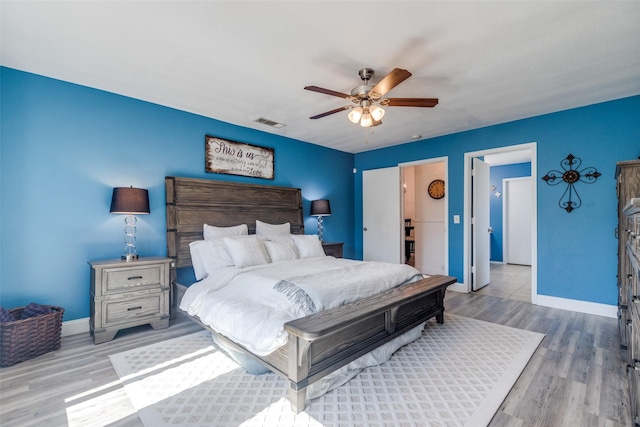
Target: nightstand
point(126, 294)
point(333, 249)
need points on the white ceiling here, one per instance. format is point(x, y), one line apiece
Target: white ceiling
point(236, 61)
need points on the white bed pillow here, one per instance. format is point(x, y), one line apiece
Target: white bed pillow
point(196, 259)
point(208, 256)
point(268, 230)
point(212, 232)
point(281, 248)
point(247, 250)
point(308, 245)
point(215, 256)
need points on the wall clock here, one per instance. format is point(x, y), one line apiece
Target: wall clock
point(436, 189)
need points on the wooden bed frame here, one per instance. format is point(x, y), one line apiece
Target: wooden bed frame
point(318, 344)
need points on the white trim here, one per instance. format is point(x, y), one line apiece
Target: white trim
point(466, 240)
point(458, 287)
point(579, 306)
point(73, 327)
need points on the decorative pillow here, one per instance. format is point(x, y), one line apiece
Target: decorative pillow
point(212, 256)
point(33, 309)
point(265, 229)
point(6, 316)
point(309, 246)
point(281, 249)
point(246, 250)
point(212, 232)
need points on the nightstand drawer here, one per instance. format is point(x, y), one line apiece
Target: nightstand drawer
point(131, 309)
point(117, 280)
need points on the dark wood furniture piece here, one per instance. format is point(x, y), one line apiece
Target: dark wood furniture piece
point(126, 294)
point(318, 344)
point(628, 232)
point(632, 214)
point(627, 187)
point(333, 249)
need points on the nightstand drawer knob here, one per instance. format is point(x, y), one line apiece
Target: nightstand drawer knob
point(134, 278)
point(134, 308)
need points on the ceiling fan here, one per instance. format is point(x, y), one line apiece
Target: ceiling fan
point(366, 98)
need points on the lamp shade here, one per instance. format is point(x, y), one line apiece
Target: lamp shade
point(129, 200)
point(355, 114)
point(320, 208)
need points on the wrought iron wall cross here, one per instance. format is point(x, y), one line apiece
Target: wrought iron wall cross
point(570, 176)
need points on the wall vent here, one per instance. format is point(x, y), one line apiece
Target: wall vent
point(269, 123)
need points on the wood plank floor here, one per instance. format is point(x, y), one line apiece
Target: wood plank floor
point(575, 378)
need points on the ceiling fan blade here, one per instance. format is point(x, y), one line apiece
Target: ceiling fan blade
point(337, 110)
point(391, 80)
point(410, 102)
point(328, 92)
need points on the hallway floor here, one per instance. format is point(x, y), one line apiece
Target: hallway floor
point(509, 281)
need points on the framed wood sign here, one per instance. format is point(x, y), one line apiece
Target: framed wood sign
point(236, 158)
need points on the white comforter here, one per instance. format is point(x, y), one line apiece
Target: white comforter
point(251, 305)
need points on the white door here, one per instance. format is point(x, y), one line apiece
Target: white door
point(481, 246)
point(381, 215)
point(518, 205)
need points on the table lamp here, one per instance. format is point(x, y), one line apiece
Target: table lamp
point(320, 208)
point(130, 201)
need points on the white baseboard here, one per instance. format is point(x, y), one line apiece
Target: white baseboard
point(458, 287)
point(578, 306)
point(73, 327)
point(562, 303)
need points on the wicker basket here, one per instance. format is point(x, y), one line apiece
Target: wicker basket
point(25, 339)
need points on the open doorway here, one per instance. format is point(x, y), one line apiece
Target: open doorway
point(513, 279)
point(425, 213)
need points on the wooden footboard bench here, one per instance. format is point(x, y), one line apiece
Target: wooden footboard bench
point(324, 342)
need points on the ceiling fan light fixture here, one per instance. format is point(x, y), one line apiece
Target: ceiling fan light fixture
point(364, 112)
point(366, 121)
point(376, 112)
point(355, 115)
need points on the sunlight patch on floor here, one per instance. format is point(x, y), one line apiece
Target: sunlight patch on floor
point(94, 408)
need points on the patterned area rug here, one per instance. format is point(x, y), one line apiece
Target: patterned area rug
point(456, 374)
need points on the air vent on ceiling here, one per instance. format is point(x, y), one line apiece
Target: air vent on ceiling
point(269, 123)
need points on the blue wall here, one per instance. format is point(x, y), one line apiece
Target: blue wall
point(64, 148)
point(497, 174)
point(577, 251)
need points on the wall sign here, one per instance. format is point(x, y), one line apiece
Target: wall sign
point(236, 158)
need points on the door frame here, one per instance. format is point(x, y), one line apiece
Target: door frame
point(445, 160)
point(467, 249)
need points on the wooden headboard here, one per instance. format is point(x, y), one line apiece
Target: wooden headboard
point(193, 202)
